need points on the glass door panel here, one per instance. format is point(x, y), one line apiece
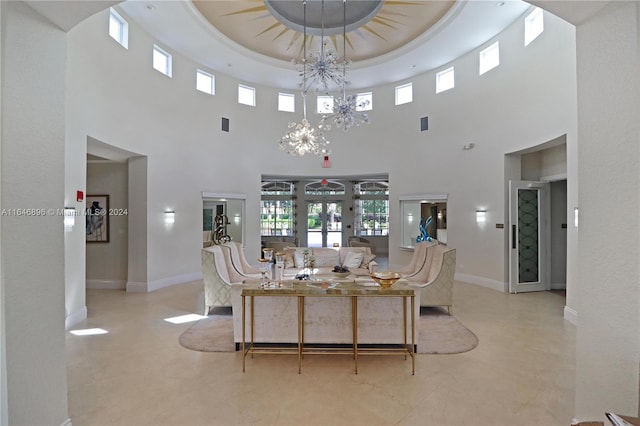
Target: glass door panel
point(529, 235)
point(334, 224)
point(324, 223)
point(314, 224)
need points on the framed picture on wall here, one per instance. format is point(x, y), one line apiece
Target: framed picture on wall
point(97, 215)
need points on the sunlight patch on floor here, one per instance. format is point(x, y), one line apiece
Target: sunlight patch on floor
point(184, 318)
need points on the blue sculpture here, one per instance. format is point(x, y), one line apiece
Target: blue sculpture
point(424, 235)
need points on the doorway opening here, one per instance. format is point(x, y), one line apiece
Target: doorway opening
point(536, 212)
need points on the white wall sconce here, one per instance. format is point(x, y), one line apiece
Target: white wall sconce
point(409, 218)
point(575, 216)
point(169, 217)
point(69, 218)
point(236, 219)
point(481, 216)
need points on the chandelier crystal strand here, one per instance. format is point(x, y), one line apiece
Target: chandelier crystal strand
point(324, 70)
point(347, 111)
point(302, 138)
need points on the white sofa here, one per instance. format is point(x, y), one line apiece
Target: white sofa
point(359, 260)
point(327, 319)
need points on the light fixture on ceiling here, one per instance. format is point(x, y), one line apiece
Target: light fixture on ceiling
point(347, 110)
point(321, 71)
point(301, 138)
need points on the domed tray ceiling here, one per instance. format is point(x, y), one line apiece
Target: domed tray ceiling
point(274, 27)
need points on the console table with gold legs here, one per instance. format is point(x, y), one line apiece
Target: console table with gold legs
point(303, 289)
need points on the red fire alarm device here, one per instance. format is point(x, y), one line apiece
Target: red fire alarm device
point(79, 195)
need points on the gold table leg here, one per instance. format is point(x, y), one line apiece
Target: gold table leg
point(354, 322)
point(252, 323)
point(243, 338)
point(413, 335)
point(404, 321)
point(300, 331)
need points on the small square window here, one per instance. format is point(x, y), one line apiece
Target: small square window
point(286, 102)
point(489, 58)
point(364, 101)
point(533, 25)
point(325, 104)
point(246, 95)
point(118, 28)
point(161, 61)
point(205, 82)
point(404, 94)
point(445, 80)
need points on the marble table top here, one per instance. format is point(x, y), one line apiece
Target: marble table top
point(324, 287)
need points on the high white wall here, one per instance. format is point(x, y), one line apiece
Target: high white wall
point(4, 417)
point(116, 97)
point(33, 264)
point(608, 342)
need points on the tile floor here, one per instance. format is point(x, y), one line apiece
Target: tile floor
point(522, 372)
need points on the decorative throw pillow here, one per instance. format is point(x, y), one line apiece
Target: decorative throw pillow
point(353, 259)
point(326, 259)
point(366, 259)
point(298, 258)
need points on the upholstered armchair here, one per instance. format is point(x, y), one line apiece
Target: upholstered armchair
point(436, 282)
point(418, 259)
point(217, 282)
point(238, 261)
point(206, 239)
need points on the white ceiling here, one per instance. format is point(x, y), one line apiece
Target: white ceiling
point(178, 26)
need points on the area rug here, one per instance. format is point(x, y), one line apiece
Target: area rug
point(438, 333)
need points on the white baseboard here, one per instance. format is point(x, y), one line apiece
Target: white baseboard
point(136, 287)
point(141, 287)
point(66, 423)
point(482, 281)
point(75, 318)
point(107, 284)
point(558, 286)
point(571, 315)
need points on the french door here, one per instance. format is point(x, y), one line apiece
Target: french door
point(529, 236)
point(324, 223)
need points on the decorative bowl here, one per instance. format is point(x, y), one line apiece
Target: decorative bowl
point(341, 274)
point(386, 278)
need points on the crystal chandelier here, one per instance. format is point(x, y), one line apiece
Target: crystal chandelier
point(302, 138)
point(323, 69)
point(348, 110)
